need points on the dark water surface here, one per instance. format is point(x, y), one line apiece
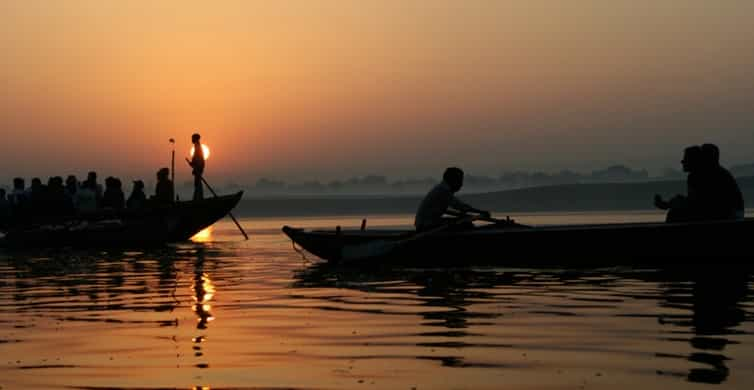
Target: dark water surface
point(223, 314)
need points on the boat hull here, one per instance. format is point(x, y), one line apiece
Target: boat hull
point(576, 245)
point(128, 228)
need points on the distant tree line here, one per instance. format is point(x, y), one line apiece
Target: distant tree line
point(377, 184)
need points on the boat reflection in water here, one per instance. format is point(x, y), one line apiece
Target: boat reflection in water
point(715, 300)
point(203, 290)
point(701, 309)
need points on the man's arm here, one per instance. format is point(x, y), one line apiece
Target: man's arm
point(463, 208)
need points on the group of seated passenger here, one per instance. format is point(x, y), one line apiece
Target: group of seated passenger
point(69, 197)
point(712, 192)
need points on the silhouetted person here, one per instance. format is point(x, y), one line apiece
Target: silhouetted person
point(85, 199)
point(197, 165)
point(138, 198)
point(723, 194)
point(164, 189)
point(691, 206)
point(5, 209)
point(37, 197)
point(113, 197)
point(18, 197)
point(441, 200)
point(71, 185)
point(56, 202)
point(91, 183)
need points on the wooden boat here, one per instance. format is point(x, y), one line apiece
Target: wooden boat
point(571, 245)
point(153, 225)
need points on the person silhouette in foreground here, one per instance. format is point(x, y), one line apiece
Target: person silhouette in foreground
point(725, 198)
point(18, 196)
point(113, 197)
point(197, 164)
point(138, 198)
point(91, 183)
point(441, 200)
point(686, 208)
point(5, 209)
point(713, 193)
point(164, 189)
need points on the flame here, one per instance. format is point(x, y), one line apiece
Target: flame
point(205, 148)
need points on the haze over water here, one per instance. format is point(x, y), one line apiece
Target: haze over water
point(222, 313)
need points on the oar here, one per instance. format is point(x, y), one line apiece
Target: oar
point(384, 247)
point(508, 222)
point(498, 221)
point(246, 236)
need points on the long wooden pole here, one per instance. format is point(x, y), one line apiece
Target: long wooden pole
point(172, 169)
point(246, 236)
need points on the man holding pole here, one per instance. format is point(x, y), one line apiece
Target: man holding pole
point(197, 164)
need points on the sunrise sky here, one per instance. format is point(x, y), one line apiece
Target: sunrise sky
point(330, 89)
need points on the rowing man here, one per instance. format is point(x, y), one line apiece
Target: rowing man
point(441, 200)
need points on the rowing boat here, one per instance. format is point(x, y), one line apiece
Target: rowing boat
point(569, 245)
point(152, 225)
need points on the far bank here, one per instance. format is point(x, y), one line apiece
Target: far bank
point(569, 197)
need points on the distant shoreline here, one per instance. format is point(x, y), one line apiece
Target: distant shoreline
point(556, 198)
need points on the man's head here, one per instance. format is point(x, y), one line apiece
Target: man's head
point(692, 158)
point(195, 138)
point(2, 193)
point(36, 182)
point(19, 183)
point(454, 177)
point(71, 181)
point(92, 176)
point(711, 155)
point(163, 174)
point(138, 185)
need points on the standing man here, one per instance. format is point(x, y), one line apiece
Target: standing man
point(197, 163)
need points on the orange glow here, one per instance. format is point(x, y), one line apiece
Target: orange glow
point(203, 236)
point(205, 148)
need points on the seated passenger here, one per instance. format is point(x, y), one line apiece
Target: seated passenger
point(113, 197)
point(441, 200)
point(164, 188)
point(85, 199)
point(4, 208)
point(725, 197)
point(695, 205)
point(91, 183)
point(18, 196)
point(56, 200)
point(137, 199)
point(37, 197)
point(71, 186)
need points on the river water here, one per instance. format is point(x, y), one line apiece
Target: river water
point(220, 313)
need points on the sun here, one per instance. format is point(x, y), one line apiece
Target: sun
point(205, 148)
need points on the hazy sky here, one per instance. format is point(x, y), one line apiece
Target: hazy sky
point(328, 89)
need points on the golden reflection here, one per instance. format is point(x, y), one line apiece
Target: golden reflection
point(203, 236)
point(204, 290)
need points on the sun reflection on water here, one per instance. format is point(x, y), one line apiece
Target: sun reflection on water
point(204, 290)
point(203, 236)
